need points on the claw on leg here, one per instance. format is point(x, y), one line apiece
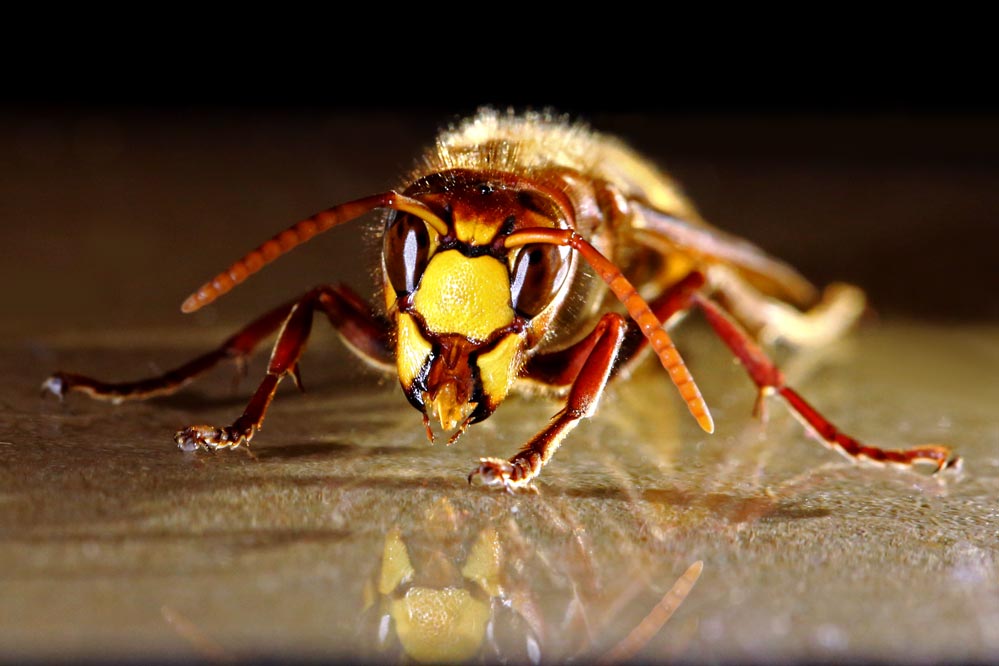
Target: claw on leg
point(511, 475)
point(55, 385)
point(494, 472)
point(760, 405)
point(209, 438)
point(296, 376)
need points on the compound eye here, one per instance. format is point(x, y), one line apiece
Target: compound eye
point(538, 273)
point(405, 252)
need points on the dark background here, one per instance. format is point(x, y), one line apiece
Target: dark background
point(119, 193)
point(131, 207)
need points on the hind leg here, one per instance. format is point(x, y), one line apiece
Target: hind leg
point(771, 320)
point(770, 381)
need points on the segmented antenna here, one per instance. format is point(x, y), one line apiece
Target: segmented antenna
point(299, 233)
point(637, 308)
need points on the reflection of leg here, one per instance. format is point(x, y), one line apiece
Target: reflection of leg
point(584, 394)
point(238, 347)
point(769, 379)
point(358, 328)
point(772, 320)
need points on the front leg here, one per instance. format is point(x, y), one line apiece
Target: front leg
point(348, 314)
point(584, 394)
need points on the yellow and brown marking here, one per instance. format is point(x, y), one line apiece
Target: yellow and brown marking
point(498, 368)
point(412, 350)
point(468, 296)
point(475, 230)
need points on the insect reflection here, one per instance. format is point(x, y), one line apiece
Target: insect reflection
point(443, 594)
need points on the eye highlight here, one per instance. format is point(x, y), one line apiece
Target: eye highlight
point(537, 275)
point(406, 252)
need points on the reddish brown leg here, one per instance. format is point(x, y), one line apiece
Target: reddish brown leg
point(584, 395)
point(350, 315)
point(351, 319)
point(364, 333)
point(769, 379)
point(237, 347)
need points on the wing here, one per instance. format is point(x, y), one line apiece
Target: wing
point(664, 233)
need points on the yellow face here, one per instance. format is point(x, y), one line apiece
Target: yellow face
point(464, 296)
point(463, 303)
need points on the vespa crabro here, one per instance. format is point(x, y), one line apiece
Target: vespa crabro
point(505, 254)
